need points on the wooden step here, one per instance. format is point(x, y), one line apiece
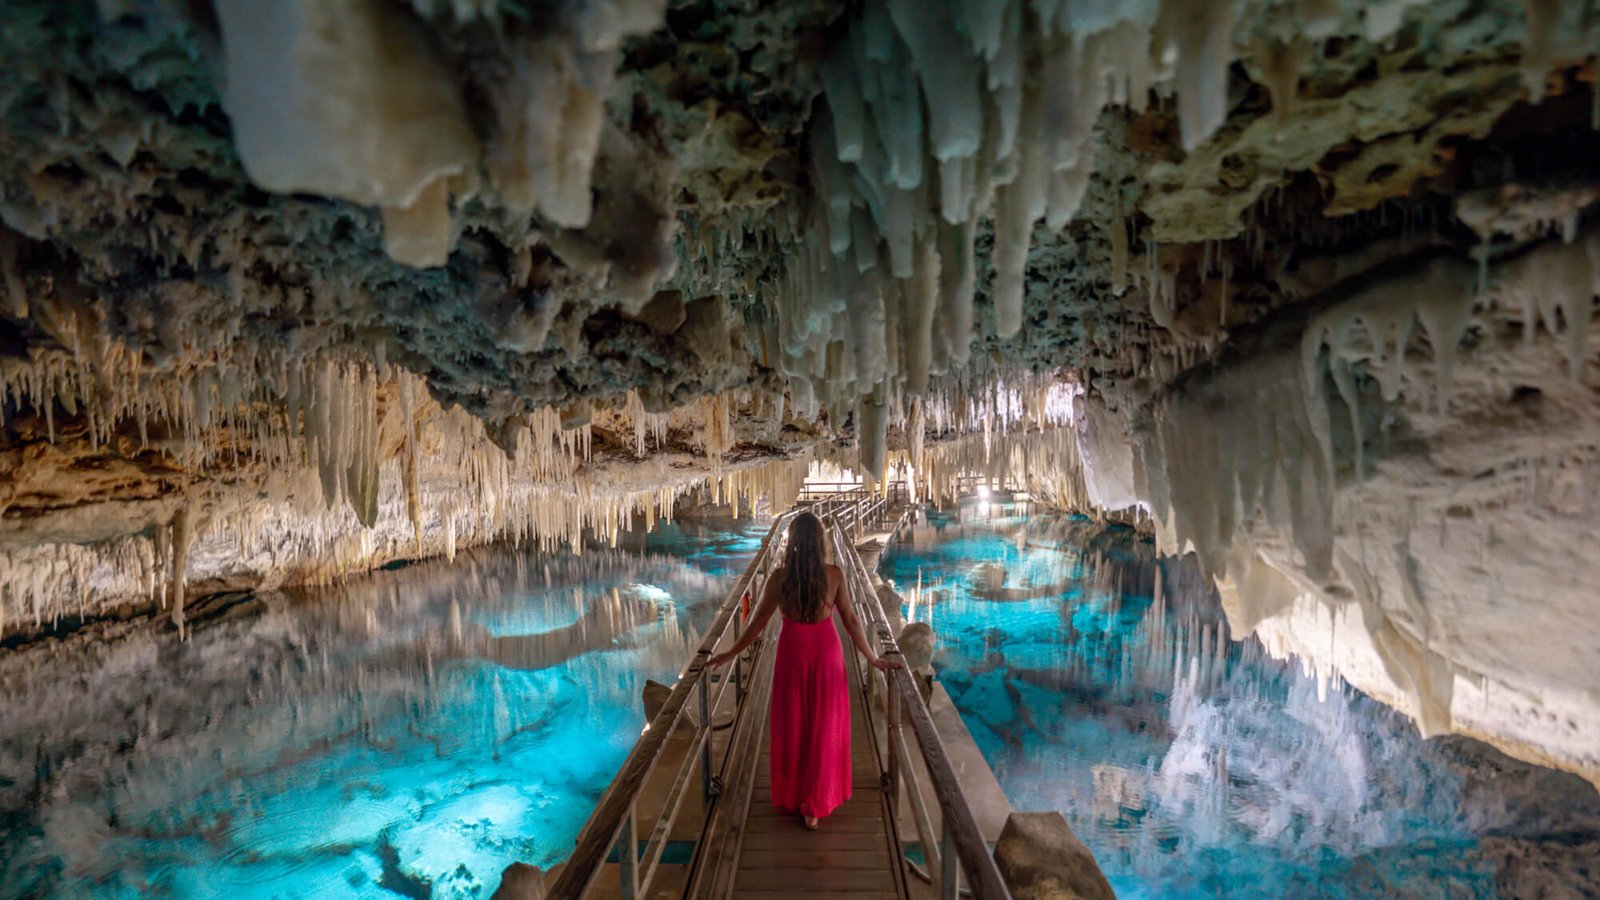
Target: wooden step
point(854, 807)
point(821, 839)
point(804, 858)
point(790, 825)
point(815, 881)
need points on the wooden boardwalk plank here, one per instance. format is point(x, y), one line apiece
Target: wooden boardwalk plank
point(790, 825)
point(816, 881)
point(830, 839)
point(856, 806)
point(812, 857)
point(850, 855)
point(794, 894)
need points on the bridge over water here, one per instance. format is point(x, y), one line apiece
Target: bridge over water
point(688, 816)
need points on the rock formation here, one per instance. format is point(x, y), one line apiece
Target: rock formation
point(1042, 859)
point(296, 289)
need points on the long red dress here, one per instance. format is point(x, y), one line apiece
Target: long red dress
point(809, 733)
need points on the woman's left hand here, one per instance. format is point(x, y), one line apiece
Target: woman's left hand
point(887, 664)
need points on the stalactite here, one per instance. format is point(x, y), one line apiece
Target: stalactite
point(182, 530)
point(347, 460)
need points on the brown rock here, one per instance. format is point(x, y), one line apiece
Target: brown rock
point(576, 415)
point(655, 694)
point(664, 314)
point(705, 328)
point(521, 881)
point(1041, 858)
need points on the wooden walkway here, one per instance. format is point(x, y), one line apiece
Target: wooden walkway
point(743, 846)
point(851, 854)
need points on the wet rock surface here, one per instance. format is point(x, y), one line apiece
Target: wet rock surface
point(391, 278)
point(1190, 761)
point(1041, 859)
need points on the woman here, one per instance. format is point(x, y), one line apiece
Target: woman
point(810, 713)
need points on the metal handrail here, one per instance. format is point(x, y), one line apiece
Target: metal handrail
point(961, 840)
point(613, 820)
point(820, 490)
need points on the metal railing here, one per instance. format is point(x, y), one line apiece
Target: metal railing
point(830, 499)
point(854, 506)
point(614, 820)
point(960, 845)
point(967, 483)
point(821, 492)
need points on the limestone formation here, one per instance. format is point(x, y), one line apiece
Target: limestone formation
point(292, 290)
point(1041, 859)
point(654, 696)
point(988, 577)
point(916, 642)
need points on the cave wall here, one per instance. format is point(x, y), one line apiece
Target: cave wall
point(297, 289)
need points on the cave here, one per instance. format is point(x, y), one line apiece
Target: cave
point(390, 387)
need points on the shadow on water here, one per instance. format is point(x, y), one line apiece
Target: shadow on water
point(409, 734)
point(1102, 682)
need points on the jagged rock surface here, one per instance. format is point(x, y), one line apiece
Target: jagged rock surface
point(295, 289)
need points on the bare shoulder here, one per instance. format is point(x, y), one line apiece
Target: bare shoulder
point(835, 574)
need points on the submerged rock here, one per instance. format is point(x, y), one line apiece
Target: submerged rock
point(521, 881)
point(295, 290)
point(988, 577)
point(990, 698)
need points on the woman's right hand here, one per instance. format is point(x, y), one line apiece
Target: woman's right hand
point(720, 660)
point(887, 664)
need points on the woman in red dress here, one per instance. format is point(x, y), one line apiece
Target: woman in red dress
point(810, 714)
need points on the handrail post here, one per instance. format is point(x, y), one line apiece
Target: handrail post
point(959, 847)
point(614, 820)
point(628, 855)
point(738, 680)
point(949, 870)
point(893, 715)
point(706, 789)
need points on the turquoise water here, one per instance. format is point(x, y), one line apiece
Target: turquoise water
point(407, 736)
point(1189, 763)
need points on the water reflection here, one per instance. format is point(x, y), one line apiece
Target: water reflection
point(1103, 683)
point(412, 734)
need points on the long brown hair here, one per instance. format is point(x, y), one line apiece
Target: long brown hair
point(805, 580)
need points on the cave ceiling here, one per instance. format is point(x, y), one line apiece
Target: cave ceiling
point(295, 288)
